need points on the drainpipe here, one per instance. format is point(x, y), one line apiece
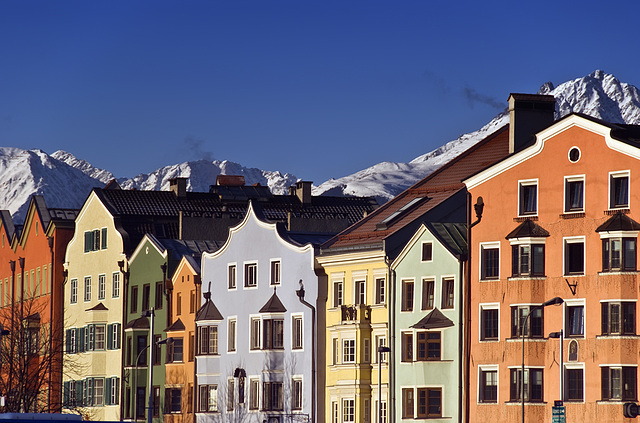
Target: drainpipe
point(478, 207)
point(12, 264)
point(391, 301)
point(300, 294)
point(21, 351)
point(51, 324)
point(123, 344)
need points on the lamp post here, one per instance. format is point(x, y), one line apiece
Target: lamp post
point(553, 301)
point(561, 336)
point(381, 349)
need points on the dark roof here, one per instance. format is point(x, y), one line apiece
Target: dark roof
point(619, 222)
point(412, 204)
point(7, 222)
point(273, 305)
point(528, 229)
point(434, 320)
point(98, 307)
point(452, 235)
point(208, 311)
point(139, 323)
point(177, 326)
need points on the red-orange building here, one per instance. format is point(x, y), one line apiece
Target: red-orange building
point(31, 289)
point(559, 220)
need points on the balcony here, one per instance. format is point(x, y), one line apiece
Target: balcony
point(356, 313)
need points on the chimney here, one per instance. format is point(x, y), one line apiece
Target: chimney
point(230, 180)
point(178, 186)
point(528, 114)
point(303, 191)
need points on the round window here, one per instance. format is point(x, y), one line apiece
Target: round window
point(574, 154)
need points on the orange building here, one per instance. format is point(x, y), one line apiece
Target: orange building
point(559, 220)
point(31, 289)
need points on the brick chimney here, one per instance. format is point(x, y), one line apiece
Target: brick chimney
point(528, 114)
point(302, 190)
point(178, 186)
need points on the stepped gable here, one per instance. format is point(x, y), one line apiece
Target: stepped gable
point(423, 196)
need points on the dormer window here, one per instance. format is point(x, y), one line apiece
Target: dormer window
point(528, 198)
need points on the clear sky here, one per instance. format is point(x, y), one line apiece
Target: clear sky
point(319, 89)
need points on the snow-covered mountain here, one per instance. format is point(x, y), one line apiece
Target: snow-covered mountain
point(65, 180)
point(599, 94)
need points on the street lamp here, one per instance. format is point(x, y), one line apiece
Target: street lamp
point(561, 336)
point(553, 301)
point(381, 349)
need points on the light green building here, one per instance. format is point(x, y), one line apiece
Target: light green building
point(427, 310)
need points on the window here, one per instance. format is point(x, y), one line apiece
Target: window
point(381, 341)
point(98, 391)
point(71, 341)
point(574, 320)
point(574, 194)
point(231, 276)
point(73, 296)
point(172, 399)
point(100, 337)
point(574, 384)
point(275, 272)
point(381, 412)
point(366, 350)
point(361, 292)
point(178, 304)
point(427, 251)
point(380, 290)
point(490, 261)
point(175, 350)
point(297, 335)
point(192, 346)
point(102, 287)
point(272, 396)
point(527, 260)
point(532, 385)
point(250, 274)
point(348, 410)
point(208, 340)
point(447, 293)
point(208, 398)
point(87, 288)
point(429, 402)
point(618, 190)
point(335, 415)
point(296, 400)
point(574, 256)
point(428, 346)
point(156, 350)
point(231, 391)
point(134, 299)
point(113, 390)
point(407, 403)
point(113, 336)
point(619, 254)
point(428, 287)
point(489, 322)
point(141, 356)
point(159, 294)
point(528, 201)
point(534, 324)
point(116, 285)
point(337, 294)
point(273, 334)
point(407, 295)
point(146, 293)
point(349, 351)
point(618, 318)
point(231, 335)
point(407, 346)
point(255, 333)
point(488, 386)
point(254, 394)
point(92, 240)
point(336, 350)
point(156, 401)
point(619, 383)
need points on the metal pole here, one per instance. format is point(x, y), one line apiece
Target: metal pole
point(561, 364)
point(151, 343)
point(522, 329)
point(379, 385)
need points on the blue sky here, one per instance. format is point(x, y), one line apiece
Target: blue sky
point(319, 89)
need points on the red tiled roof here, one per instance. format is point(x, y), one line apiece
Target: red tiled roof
point(434, 188)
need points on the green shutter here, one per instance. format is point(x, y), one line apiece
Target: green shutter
point(109, 337)
point(116, 328)
point(92, 335)
point(107, 391)
point(79, 392)
point(116, 380)
point(67, 344)
point(88, 241)
point(80, 339)
point(65, 393)
point(103, 246)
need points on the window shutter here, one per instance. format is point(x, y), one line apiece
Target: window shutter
point(92, 337)
point(104, 239)
point(118, 332)
point(116, 380)
point(90, 399)
point(605, 318)
point(604, 371)
point(67, 344)
point(78, 398)
point(107, 391)
point(66, 393)
point(514, 260)
point(110, 337)
point(88, 241)
point(96, 240)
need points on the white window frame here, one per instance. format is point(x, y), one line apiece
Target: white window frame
point(574, 240)
point(488, 368)
point(235, 276)
point(489, 246)
point(575, 366)
point(252, 319)
point(102, 287)
point(297, 378)
point(232, 332)
point(275, 262)
point(527, 183)
point(567, 180)
point(422, 249)
point(115, 281)
point(380, 291)
point(481, 308)
point(574, 303)
point(87, 289)
point(344, 350)
point(360, 297)
point(294, 317)
point(244, 275)
point(620, 174)
point(254, 379)
point(352, 407)
point(73, 295)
